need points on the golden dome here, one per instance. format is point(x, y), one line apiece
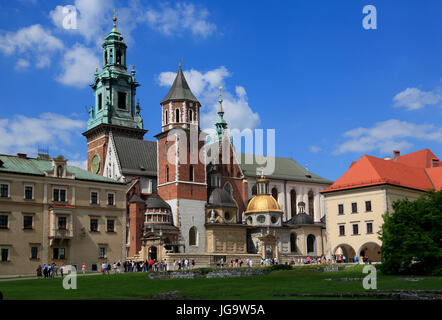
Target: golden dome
point(263, 203)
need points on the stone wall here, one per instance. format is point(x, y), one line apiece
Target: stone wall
point(221, 273)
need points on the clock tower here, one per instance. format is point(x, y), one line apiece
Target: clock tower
point(114, 109)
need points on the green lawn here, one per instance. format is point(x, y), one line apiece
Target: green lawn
point(139, 286)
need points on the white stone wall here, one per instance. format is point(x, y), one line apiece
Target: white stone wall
point(191, 214)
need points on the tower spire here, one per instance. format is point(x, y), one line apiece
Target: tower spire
point(221, 124)
point(114, 19)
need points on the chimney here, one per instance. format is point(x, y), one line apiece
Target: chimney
point(22, 155)
point(396, 154)
point(434, 163)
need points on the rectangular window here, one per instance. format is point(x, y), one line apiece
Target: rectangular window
point(368, 206)
point(27, 222)
point(34, 253)
point(94, 197)
point(62, 223)
point(110, 199)
point(102, 253)
point(4, 222)
point(4, 190)
point(55, 253)
point(340, 208)
point(28, 193)
point(110, 225)
point(5, 254)
point(342, 230)
point(354, 207)
point(100, 101)
point(369, 227)
point(121, 100)
point(59, 195)
point(62, 195)
point(355, 229)
point(94, 225)
point(62, 253)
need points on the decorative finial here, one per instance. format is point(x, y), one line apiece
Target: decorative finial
point(114, 19)
point(181, 61)
point(133, 71)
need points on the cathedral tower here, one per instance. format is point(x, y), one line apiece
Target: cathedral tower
point(115, 110)
point(181, 174)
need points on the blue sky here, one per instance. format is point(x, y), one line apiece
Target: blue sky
point(332, 90)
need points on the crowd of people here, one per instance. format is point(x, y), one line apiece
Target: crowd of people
point(52, 271)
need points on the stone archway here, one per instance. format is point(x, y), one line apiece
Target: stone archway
point(153, 253)
point(345, 250)
point(372, 250)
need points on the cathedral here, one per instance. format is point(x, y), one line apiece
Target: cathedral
point(196, 198)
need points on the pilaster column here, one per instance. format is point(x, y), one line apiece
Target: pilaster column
point(316, 205)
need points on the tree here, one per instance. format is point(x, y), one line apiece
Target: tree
point(412, 236)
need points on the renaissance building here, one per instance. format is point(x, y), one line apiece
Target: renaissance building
point(51, 212)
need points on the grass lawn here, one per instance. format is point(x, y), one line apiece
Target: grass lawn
point(139, 286)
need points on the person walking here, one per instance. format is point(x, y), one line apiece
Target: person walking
point(62, 271)
point(39, 272)
point(83, 268)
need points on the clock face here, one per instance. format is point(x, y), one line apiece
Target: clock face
point(95, 164)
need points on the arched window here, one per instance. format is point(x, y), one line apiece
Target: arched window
point(191, 173)
point(293, 243)
point(311, 244)
point(311, 209)
point(105, 57)
point(192, 236)
point(190, 115)
point(118, 60)
point(254, 191)
point(167, 173)
point(275, 193)
point(177, 115)
point(166, 119)
point(293, 201)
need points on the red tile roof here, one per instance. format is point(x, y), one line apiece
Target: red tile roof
point(410, 171)
point(418, 159)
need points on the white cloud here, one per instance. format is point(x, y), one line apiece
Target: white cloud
point(204, 85)
point(31, 43)
point(387, 136)
point(22, 64)
point(78, 163)
point(413, 98)
point(172, 20)
point(93, 19)
point(78, 64)
point(314, 149)
point(24, 134)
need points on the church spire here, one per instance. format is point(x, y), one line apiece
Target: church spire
point(180, 90)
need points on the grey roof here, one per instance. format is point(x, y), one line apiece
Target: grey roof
point(136, 198)
point(220, 197)
point(300, 219)
point(285, 169)
point(137, 157)
point(180, 90)
point(154, 201)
